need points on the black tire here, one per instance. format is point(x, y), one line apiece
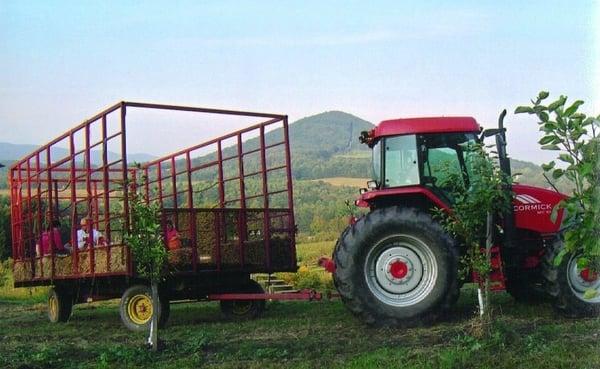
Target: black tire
point(244, 309)
point(60, 305)
point(392, 230)
point(136, 300)
point(525, 286)
point(567, 295)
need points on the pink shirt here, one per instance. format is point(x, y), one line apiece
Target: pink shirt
point(45, 242)
point(172, 234)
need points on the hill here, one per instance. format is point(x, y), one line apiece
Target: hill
point(13, 152)
point(328, 133)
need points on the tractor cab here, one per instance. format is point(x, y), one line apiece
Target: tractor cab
point(419, 152)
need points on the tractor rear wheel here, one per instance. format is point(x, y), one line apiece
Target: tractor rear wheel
point(567, 284)
point(396, 266)
point(60, 305)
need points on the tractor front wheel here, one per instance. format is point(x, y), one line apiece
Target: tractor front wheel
point(396, 266)
point(567, 284)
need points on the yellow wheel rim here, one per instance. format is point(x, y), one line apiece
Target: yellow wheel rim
point(241, 307)
point(139, 309)
point(53, 307)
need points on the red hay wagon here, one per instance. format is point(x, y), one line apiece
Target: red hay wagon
point(230, 200)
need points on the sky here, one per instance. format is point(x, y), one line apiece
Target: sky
point(61, 62)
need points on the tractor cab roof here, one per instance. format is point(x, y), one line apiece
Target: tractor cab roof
point(406, 126)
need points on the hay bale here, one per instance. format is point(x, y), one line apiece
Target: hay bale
point(180, 259)
point(230, 254)
point(101, 259)
point(254, 253)
point(118, 258)
point(208, 231)
point(279, 249)
point(43, 267)
point(22, 271)
point(206, 237)
point(63, 265)
point(84, 262)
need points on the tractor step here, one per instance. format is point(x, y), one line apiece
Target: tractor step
point(272, 284)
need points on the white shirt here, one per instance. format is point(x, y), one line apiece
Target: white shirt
point(82, 235)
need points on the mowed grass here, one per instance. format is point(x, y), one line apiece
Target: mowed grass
point(344, 181)
point(297, 335)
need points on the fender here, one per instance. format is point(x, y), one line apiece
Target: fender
point(366, 199)
point(533, 206)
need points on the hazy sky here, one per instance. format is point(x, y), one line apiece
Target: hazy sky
point(61, 62)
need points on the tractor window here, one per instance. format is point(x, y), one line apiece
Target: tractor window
point(442, 161)
point(443, 155)
point(400, 162)
point(377, 162)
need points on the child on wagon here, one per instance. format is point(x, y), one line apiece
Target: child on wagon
point(51, 239)
point(172, 237)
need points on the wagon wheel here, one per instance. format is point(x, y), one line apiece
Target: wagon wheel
point(60, 305)
point(136, 308)
point(244, 309)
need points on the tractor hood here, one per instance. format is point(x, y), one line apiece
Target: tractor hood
point(533, 206)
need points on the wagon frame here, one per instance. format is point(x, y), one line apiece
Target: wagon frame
point(251, 232)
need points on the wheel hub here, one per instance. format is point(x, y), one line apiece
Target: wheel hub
point(588, 276)
point(399, 270)
point(140, 309)
point(582, 280)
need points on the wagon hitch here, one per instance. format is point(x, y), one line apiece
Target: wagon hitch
point(306, 295)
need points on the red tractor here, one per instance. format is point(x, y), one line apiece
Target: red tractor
point(397, 266)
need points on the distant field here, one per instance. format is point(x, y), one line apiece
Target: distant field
point(355, 155)
point(344, 181)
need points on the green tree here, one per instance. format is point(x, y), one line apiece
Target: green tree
point(5, 229)
point(475, 205)
point(149, 253)
point(575, 138)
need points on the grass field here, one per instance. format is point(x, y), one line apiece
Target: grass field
point(344, 181)
point(295, 335)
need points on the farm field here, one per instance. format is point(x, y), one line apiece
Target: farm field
point(344, 181)
point(293, 335)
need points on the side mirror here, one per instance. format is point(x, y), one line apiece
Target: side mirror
point(491, 132)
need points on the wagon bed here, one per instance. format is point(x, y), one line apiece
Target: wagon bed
point(230, 199)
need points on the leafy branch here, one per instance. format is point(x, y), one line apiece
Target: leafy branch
point(575, 136)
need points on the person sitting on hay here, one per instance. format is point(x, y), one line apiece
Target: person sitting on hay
point(172, 236)
point(51, 235)
point(83, 237)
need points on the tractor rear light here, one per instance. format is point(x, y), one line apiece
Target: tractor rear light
point(372, 185)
